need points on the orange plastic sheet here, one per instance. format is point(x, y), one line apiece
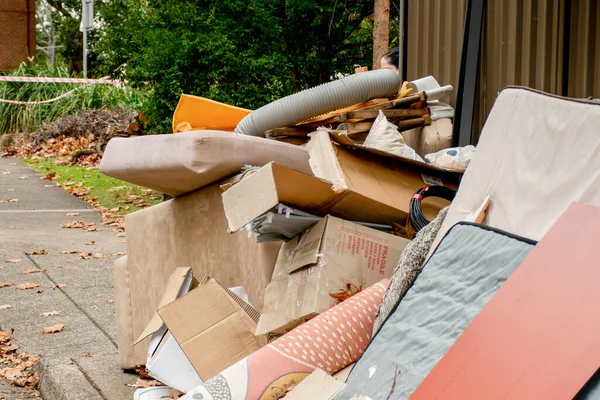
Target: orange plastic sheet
point(198, 113)
point(537, 338)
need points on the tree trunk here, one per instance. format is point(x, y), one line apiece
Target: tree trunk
point(381, 31)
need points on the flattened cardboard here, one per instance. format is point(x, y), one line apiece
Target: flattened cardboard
point(537, 338)
point(342, 138)
point(212, 327)
point(189, 230)
point(331, 257)
point(386, 185)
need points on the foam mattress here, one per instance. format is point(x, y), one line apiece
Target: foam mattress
point(464, 272)
point(181, 163)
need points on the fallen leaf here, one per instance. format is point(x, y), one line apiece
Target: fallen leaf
point(53, 329)
point(99, 256)
point(85, 256)
point(175, 394)
point(72, 214)
point(10, 348)
point(115, 209)
point(86, 355)
point(26, 286)
point(5, 172)
point(22, 177)
point(87, 176)
point(75, 225)
point(32, 271)
point(91, 243)
point(36, 252)
point(143, 383)
point(120, 253)
point(49, 185)
point(49, 314)
point(14, 261)
point(11, 200)
point(59, 285)
point(5, 307)
point(6, 284)
point(74, 251)
point(40, 291)
point(50, 176)
point(110, 301)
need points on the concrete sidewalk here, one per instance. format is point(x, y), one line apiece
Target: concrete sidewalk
point(81, 361)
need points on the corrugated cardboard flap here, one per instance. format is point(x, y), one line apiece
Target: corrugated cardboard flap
point(180, 280)
point(213, 327)
point(272, 184)
point(308, 250)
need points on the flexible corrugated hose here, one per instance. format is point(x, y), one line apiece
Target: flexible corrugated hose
point(319, 100)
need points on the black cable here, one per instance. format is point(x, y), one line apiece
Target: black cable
point(417, 219)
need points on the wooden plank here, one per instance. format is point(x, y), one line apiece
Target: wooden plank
point(407, 124)
point(372, 114)
point(333, 116)
point(288, 131)
point(357, 127)
point(403, 102)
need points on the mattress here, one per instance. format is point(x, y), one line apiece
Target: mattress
point(181, 163)
point(537, 154)
point(466, 269)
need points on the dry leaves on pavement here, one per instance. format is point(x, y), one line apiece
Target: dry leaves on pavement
point(26, 286)
point(50, 176)
point(99, 256)
point(144, 383)
point(59, 285)
point(6, 284)
point(85, 256)
point(53, 329)
point(14, 261)
point(32, 271)
point(74, 251)
point(72, 214)
point(81, 225)
point(5, 306)
point(16, 367)
point(91, 243)
point(49, 314)
point(11, 200)
point(36, 252)
point(120, 253)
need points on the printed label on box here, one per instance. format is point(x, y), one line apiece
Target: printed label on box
point(431, 181)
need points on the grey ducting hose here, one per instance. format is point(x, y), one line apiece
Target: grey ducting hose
point(321, 99)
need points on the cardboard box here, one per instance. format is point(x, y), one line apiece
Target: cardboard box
point(190, 230)
point(315, 270)
point(375, 183)
point(213, 326)
point(166, 360)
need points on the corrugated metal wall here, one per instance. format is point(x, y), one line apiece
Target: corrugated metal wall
point(524, 43)
point(17, 32)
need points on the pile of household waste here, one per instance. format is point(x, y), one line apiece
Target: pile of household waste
point(331, 245)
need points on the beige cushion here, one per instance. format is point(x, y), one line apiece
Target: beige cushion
point(537, 154)
point(180, 163)
point(188, 231)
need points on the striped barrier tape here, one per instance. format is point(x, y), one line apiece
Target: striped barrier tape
point(24, 103)
point(102, 81)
